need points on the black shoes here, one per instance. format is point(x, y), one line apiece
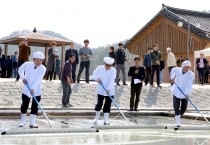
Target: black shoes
point(135, 110)
point(131, 109)
point(125, 84)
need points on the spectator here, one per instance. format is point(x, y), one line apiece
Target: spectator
point(24, 53)
point(201, 63)
point(120, 63)
point(155, 58)
point(171, 60)
point(2, 66)
point(52, 53)
point(66, 81)
point(112, 53)
point(57, 66)
point(137, 73)
point(179, 61)
point(73, 51)
point(85, 53)
point(147, 65)
point(9, 67)
point(14, 64)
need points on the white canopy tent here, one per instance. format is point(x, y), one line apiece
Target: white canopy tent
point(206, 52)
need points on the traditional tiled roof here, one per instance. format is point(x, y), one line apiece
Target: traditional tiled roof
point(176, 15)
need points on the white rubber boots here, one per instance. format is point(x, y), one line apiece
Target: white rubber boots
point(178, 120)
point(32, 121)
point(95, 121)
point(22, 120)
point(106, 118)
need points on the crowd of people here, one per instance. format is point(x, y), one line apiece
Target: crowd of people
point(32, 73)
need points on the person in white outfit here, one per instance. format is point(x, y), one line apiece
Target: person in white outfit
point(183, 78)
point(31, 73)
point(105, 74)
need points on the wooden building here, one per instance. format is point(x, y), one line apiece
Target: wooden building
point(163, 30)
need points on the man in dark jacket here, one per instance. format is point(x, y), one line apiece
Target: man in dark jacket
point(137, 73)
point(2, 66)
point(66, 81)
point(112, 54)
point(201, 63)
point(69, 52)
point(147, 65)
point(155, 58)
point(120, 59)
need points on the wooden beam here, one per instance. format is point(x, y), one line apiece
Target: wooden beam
point(62, 57)
point(5, 49)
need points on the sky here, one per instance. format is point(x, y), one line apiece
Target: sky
point(101, 21)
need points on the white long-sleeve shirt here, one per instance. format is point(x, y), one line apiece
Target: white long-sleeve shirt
point(171, 60)
point(184, 81)
point(107, 77)
point(33, 77)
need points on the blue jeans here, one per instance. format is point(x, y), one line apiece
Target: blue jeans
point(14, 72)
point(161, 76)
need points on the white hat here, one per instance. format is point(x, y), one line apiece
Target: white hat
point(168, 49)
point(108, 60)
point(38, 55)
point(186, 63)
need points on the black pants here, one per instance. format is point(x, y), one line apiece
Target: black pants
point(19, 64)
point(66, 92)
point(148, 75)
point(74, 65)
point(86, 65)
point(50, 73)
point(25, 104)
point(135, 95)
point(176, 103)
point(201, 74)
point(3, 72)
point(9, 73)
point(206, 78)
point(107, 105)
point(155, 68)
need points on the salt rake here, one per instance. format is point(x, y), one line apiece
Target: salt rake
point(39, 106)
point(192, 103)
point(115, 103)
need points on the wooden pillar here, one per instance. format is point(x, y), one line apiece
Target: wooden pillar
point(62, 57)
point(45, 54)
point(5, 49)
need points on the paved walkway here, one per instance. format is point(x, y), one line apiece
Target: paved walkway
point(84, 96)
